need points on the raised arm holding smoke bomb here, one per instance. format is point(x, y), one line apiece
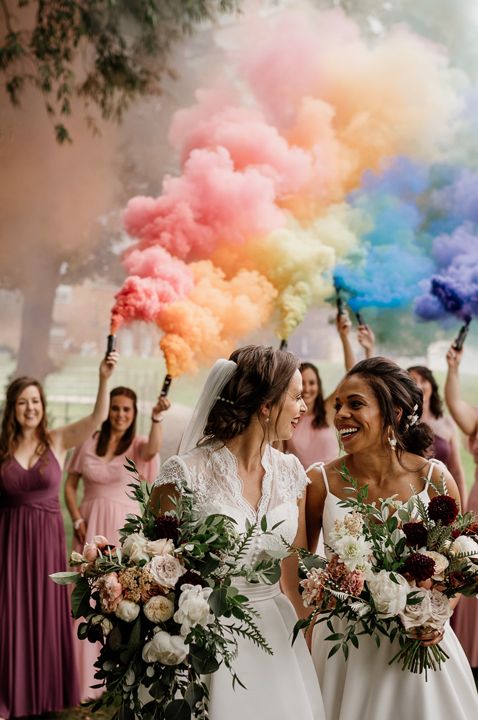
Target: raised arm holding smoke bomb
point(99, 463)
point(465, 620)
point(35, 627)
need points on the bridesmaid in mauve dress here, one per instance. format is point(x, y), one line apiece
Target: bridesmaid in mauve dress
point(465, 619)
point(99, 463)
point(37, 667)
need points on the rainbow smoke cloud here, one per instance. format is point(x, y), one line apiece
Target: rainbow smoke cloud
point(269, 159)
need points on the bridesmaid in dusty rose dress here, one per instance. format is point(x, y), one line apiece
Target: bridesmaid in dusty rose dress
point(37, 667)
point(465, 618)
point(99, 463)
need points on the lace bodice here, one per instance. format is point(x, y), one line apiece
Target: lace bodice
point(212, 472)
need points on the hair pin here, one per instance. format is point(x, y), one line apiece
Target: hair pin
point(223, 399)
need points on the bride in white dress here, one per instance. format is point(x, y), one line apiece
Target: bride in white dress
point(248, 402)
point(377, 410)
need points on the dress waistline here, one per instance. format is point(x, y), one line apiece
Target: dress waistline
point(257, 591)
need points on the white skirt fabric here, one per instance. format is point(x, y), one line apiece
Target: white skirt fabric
point(282, 686)
point(366, 687)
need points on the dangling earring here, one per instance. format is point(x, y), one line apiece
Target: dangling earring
point(392, 440)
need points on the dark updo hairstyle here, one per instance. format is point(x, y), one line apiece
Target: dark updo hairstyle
point(395, 390)
point(436, 403)
point(262, 377)
point(11, 429)
point(319, 414)
point(105, 431)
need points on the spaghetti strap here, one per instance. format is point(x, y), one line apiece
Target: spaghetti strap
point(320, 466)
point(432, 464)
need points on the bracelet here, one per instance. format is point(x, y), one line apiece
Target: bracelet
point(159, 420)
point(77, 523)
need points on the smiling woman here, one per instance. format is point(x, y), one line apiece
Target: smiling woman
point(377, 411)
point(99, 464)
point(35, 628)
point(248, 402)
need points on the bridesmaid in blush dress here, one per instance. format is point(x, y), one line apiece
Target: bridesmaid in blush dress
point(99, 463)
point(37, 667)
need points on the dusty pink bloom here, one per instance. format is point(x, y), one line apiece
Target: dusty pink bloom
point(314, 586)
point(353, 583)
point(111, 591)
point(90, 552)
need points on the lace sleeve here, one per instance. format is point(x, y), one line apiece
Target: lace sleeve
point(173, 472)
point(293, 479)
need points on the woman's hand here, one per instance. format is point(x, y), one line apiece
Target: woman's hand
point(108, 364)
point(453, 358)
point(366, 338)
point(80, 531)
point(432, 637)
point(162, 405)
point(344, 324)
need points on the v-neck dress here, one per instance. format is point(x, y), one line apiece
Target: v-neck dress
point(366, 687)
point(37, 667)
point(283, 686)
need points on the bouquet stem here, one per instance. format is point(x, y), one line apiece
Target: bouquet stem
point(418, 658)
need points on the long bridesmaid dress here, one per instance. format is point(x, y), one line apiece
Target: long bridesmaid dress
point(37, 663)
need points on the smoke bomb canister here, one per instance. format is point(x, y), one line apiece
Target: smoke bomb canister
point(166, 384)
point(360, 318)
point(283, 344)
point(111, 344)
point(461, 337)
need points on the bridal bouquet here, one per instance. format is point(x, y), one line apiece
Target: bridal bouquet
point(164, 608)
point(391, 572)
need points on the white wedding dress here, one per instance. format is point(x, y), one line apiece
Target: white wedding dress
point(283, 686)
point(366, 687)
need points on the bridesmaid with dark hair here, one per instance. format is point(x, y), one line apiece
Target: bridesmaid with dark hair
point(445, 446)
point(37, 668)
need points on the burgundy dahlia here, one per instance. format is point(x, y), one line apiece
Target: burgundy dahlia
point(190, 578)
point(416, 534)
point(167, 527)
point(419, 566)
point(443, 508)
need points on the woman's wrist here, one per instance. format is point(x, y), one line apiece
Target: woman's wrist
point(158, 419)
point(78, 522)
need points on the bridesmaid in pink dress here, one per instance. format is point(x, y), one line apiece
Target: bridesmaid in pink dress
point(99, 463)
point(465, 618)
point(37, 667)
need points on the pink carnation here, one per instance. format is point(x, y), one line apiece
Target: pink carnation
point(353, 583)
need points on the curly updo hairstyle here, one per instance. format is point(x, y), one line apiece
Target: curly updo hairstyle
point(262, 377)
point(436, 403)
point(394, 390)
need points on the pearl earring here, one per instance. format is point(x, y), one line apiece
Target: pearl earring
point(392, 440)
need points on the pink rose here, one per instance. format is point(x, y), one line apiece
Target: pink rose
point(90, 552)
point(111, 591)
point(100, 540)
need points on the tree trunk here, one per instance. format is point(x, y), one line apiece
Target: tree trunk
point(37, 316)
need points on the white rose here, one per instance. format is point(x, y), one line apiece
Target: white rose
point(134, 547)
point(165, 648)
point(441, 563)
point(159, 547)
point(166, 570)
point(127, 610)
point(418, 614)
point(353, 552)
point(440, 610)
point(464, 544)
point(389, 597)
point(193, 607)
point(76, 557)
point(159, 609)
